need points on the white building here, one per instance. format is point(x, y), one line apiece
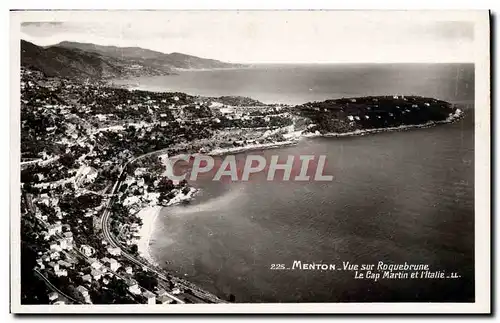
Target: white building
point(68, 236)
point(40, 263)
point(96, 265)
point(63, 244)
point(87, 278)
point(64, 264)
point(55, 228)
point(139, 171)
point(150, 297)
point(61, 272)
point(164, 299)
point(133, 287)
point(55, 247)
point(97, 274)
point(113, 264)
point(114, 251)
point(87, 250)
point(161, 292)
point(84, 293)
point(53, 265)
point(53, 296)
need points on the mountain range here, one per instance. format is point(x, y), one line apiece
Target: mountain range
point(77, 60)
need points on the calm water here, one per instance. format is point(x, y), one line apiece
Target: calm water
point(396, 197)
point(304, 83)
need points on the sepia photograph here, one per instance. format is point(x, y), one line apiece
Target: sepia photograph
point(286, 161)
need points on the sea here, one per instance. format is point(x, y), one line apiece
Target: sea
point(396, 197)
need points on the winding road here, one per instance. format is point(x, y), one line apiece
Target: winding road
point(112, 240)
point(54, 288)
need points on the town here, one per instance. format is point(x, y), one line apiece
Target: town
point(91, 160)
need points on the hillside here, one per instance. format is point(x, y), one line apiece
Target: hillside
point(63, 62)
point(76, 63)
point(81, 60)
point(149, 57)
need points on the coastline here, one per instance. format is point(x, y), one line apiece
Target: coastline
point(148, 216)
point(361, 132)
point(219, 151)
point(278, 144)
point(209, 69)
point(149, 213)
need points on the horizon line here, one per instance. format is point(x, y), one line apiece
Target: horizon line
point(264, 62)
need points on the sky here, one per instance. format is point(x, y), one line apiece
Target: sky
point(269, 36)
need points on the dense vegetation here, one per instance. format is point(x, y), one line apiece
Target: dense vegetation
point(344, 115)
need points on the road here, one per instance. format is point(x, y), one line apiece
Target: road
point(111, 239)
point(109, 236)
point(54, 288)
point(75, 252)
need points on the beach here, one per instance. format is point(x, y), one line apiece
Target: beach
point(150, 213)
point(241, 229)
point(148, 216)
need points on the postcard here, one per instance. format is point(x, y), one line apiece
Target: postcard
point(239, 161)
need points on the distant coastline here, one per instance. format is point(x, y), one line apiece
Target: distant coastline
point(209, 69)
point(297, 84)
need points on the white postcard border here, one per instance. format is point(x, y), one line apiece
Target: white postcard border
point(482, 202)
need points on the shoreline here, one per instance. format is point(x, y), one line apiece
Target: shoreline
point(271, 145)
point(148, 216)
point(149, 213)
point(360, 132)
point(209, 69)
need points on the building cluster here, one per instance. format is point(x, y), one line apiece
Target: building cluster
point(73, 151)
point(77, 138)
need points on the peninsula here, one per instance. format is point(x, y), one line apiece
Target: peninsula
point(90, 162)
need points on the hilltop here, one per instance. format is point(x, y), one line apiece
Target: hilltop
point(85, 60)
point(149, 57)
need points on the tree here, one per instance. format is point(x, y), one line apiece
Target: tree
point(147, 280)
point(28, 187)
point(67, 160)
point(165, 185)
point(123, 187)
point(33, 289)
point(74, 293)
